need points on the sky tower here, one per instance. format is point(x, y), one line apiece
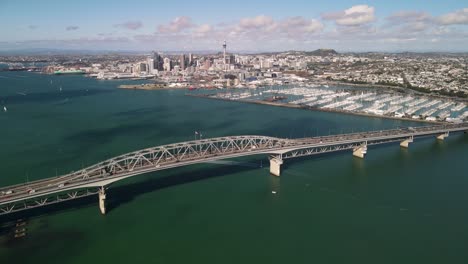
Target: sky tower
point(224, 56)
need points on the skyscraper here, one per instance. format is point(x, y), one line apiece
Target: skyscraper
point(157, 61)
point(167, 64)
point(232, 59)
point(190, 58)
point(182, 62)
point(150, 63)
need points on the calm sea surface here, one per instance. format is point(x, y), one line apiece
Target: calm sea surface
point(395, 206)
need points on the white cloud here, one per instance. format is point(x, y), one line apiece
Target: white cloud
point(261, 21)
point(177, 25)
point(353, 16)
point(409, 22)
point(408, 16)
point(301, 24)
point(352, 29)
point(203, 31)
point(266, 28)
point(457, 17)
point(299, 27)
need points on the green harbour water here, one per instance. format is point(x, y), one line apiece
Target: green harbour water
point(395, 206)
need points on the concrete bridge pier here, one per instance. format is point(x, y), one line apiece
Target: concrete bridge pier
point(102, 200)
point(275, 164)
point(360, 151)
point(443, 136)
point(405, 143)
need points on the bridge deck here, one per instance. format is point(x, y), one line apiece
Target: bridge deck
point(200, 151)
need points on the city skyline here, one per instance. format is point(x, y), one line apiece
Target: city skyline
point(254, 27)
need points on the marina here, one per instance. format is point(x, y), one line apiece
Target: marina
point(355, 101)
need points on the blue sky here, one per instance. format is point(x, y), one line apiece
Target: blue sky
point(247, 25)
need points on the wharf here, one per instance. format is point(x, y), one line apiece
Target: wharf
point(146, 86)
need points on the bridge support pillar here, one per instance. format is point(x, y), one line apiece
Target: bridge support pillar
point(102, 200)
point(360, 151)
point(442, 136)
point(405, 143)
point(275, 164)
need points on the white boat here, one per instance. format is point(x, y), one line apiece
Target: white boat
point(5, 109)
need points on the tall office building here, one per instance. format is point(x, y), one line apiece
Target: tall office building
point(207, 64)
point(232, 59)
point(150, 63)
point(142, 67)
point(158, 62)
point(167, 64)
point(190, 59)
point(182, 62)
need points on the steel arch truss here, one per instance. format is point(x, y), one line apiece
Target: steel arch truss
point(161, 156)
point(139, 162)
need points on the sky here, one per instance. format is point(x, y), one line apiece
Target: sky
point(246, 25)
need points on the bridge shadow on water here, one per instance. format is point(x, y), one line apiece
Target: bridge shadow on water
point(125, 193)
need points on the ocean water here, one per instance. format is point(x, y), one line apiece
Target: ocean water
point(395, 206)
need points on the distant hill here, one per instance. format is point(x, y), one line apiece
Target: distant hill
point(50, 52)
point(321, 52)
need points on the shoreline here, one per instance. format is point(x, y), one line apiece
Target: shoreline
point(147, 86)
point(308, 108)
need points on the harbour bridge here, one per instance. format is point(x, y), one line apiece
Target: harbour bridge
point(95, 179)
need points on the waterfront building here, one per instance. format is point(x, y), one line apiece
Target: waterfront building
point(150, 63)
point(142, 67)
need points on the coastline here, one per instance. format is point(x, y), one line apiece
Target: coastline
point(286, 105)
point(146, 86)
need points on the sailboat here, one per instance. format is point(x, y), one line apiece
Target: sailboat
point(5, 109)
